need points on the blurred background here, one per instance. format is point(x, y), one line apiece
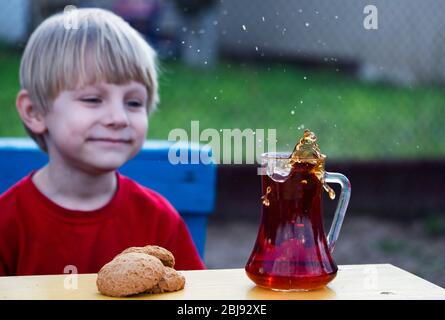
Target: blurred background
point(374, 97)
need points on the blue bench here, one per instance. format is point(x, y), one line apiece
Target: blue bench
point(190, 188)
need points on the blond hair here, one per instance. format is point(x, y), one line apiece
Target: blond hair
point(95, 45)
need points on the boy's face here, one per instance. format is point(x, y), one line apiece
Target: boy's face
point(97, 128)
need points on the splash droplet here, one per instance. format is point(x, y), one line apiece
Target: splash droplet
point(330, 191)
point(266, 201)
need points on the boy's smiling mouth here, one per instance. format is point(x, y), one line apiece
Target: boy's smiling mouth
point(110, 140)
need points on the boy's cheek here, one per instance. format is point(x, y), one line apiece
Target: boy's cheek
point(143, 127)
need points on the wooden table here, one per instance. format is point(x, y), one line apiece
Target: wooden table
point(377, 281)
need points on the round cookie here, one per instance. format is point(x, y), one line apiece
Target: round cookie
point(129, 274)
point(162, 254)
point(171, 281)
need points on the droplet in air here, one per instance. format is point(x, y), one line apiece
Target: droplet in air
point(307, 24)
point(292, 112)
point(244, 27)
point(262, 18)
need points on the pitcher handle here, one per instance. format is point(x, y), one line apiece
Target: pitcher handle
point(340, 211)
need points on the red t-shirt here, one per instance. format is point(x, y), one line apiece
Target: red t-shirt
point(37, 236)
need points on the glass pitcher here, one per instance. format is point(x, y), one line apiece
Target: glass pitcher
point(291, 251)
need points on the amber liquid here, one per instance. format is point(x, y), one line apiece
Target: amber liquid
point(291, 252)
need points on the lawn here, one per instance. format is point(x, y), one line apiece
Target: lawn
point(352, 119)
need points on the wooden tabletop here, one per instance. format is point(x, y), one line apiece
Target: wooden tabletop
point(377, 281)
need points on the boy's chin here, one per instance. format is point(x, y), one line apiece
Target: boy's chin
point(102, 167)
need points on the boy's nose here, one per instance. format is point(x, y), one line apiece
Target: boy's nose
point(116, 116)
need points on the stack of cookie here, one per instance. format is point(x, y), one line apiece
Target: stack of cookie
point(138, 270)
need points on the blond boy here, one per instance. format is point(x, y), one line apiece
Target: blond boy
point(87, 88)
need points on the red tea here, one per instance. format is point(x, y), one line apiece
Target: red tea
point(291, 250)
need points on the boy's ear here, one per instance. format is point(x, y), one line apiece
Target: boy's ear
point(31, 117)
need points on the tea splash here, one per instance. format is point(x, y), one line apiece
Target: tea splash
point(308, 151)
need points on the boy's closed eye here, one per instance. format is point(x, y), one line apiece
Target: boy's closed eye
point(133, 95)
point(91, 100)
point(134, 103)
point(136, 98)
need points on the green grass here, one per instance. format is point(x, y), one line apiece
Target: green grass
point(391, 245)
point(352, 119)
point(9, 83)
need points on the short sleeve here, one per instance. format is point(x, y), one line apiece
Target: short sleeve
point(184, 249)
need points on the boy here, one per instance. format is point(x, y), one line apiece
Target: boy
point(85, 96)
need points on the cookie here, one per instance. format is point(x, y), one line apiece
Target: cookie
point(162, 254)
point(170, 281)
point(132, 249)
point(129, 274)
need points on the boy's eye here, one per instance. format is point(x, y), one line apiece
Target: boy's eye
point(91, 100)
point(134, 103)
